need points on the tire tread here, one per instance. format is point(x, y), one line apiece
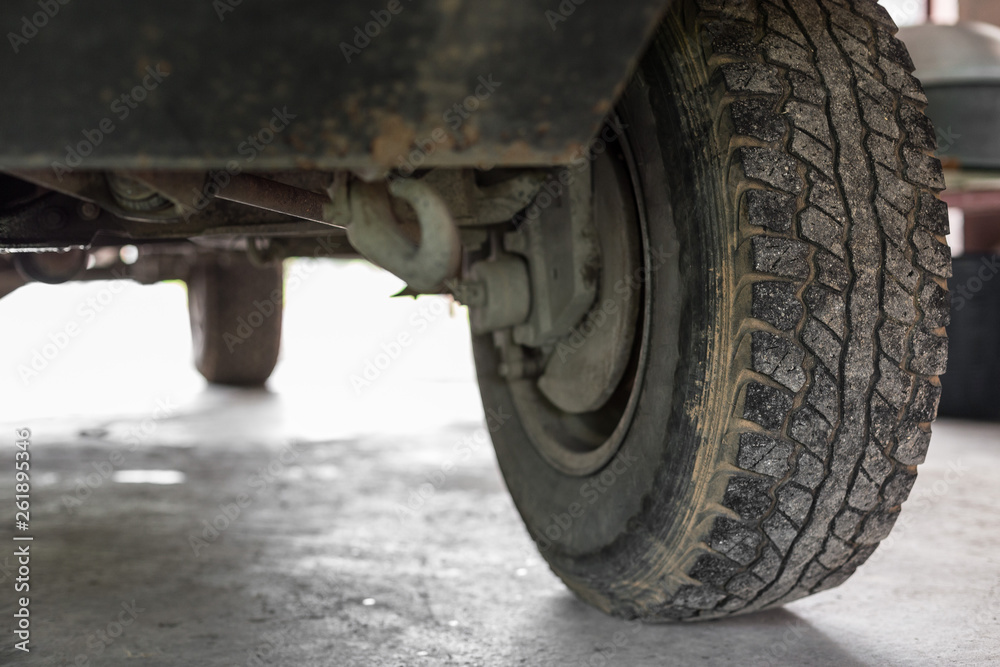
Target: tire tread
point(814, 488)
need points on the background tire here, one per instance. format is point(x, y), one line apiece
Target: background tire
point(969, 389)
point(235, 309)
point(791, 350)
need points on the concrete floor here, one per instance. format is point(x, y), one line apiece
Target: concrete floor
point(351, 547)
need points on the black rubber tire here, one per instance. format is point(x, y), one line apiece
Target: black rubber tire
point(235, 310)
point(784, 157)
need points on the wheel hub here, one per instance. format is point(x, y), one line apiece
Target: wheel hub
point(575, 392)
point(588, 363)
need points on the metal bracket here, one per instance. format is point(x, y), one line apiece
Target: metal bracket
point(477, 206)
point(560, 245)
point(372, 228)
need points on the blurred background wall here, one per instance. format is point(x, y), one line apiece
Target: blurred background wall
point(979, 10)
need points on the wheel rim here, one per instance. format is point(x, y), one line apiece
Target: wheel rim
point(582, 444)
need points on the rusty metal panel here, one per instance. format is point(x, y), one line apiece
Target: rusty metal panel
point(309, 83)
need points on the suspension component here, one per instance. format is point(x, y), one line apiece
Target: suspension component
point(52, 268)
point(365, 209)
point(497, 292)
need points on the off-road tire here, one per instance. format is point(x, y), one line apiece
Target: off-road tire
point(778, 432)
point(235, 310)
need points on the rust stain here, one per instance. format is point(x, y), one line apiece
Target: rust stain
point(470, 134)
point(447, 143)
point(395, 136)
point(573, 150)
point(519, 151)
point(336, 144)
